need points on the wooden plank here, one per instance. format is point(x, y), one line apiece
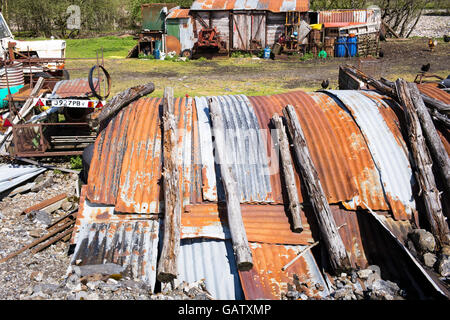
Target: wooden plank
point(167, 266)
point(45, 203)
point(241, 247)
point(329, 231)
point(423, 166)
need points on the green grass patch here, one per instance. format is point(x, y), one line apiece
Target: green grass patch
point(113, 47)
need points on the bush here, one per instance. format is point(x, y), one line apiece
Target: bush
point(76, 162)
point(306, 57)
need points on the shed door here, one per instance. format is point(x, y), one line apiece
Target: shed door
point(258, 30)
point(248, 26)
point(241, 31)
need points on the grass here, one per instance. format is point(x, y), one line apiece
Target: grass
point(240, 74)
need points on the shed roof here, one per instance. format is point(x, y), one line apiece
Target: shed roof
point(177, 13)
point(269, 5)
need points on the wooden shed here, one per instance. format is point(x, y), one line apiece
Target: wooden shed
point(247, 25)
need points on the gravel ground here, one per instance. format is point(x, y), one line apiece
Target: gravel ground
point(432, 26)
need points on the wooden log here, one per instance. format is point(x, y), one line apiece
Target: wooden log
point(288, 173)
point(167, 267)
point(390, 29)
point(423, 167)
point(327, 225)
point(434, 142)
point(241, 247)
point(118, 102)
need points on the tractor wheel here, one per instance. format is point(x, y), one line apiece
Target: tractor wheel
point(65, 75)
point(187, 53)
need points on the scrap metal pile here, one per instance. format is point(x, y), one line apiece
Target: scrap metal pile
point(322, 195)
point(184, 189)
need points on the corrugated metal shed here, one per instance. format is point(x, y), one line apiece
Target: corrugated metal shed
point(270, 5)
point(73, 88)
point(390, 157)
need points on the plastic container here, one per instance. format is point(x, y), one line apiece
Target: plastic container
point(317, 26)
point(158, 44)
point(267, 53)
point(156, 54)
point(341, 47)
point(352, 44)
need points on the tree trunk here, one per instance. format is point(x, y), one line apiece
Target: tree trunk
point(288, 173)
point(120, 101)
point(322, 211)
point(238, 235)
point(423, 167)
point(167, 266)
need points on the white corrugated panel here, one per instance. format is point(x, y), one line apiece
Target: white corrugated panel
point(13, 175)
point(212, 260)
point(390, 158)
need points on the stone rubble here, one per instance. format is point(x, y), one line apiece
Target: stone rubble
point(364, 284)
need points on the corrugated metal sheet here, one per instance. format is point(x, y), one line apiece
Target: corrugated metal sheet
point(153, 15)
point(73, 88)
point(12, 175)
point(263, 223)
point(212, 260)
point(338, 149)
point(126, 165)
point(245, 150)
point(270, 5)
point(389, 156)
point(177, 13)
point(266, 280)
point(351, 15)
point(432, 90)
point(131, 244)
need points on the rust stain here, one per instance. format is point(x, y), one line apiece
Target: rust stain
point(432, 90)
point(270, 5)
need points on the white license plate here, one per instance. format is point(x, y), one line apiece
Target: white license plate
point(70, 103)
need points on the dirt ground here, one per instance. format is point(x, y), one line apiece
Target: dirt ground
point(254, 76)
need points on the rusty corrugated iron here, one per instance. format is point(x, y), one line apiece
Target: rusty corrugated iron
point(263, 223)
point(432, 90)
point(266, 280)
point(387, 147)
point(337, 148)
point(350, 15)
point(177, 13)
point(73, 88)
point(126, 165)
point(269, 5)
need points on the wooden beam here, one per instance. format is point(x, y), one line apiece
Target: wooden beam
point(241, 247)
point(327, 225)
point(390, 29)
point(288, 173)
point(423, 166)
point(168, 267)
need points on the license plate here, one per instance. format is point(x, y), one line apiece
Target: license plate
point(70, 103)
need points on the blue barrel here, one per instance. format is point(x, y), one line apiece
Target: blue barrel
point(340, 46)
point(352, 45)
point(267, 53)
point(156, 54)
